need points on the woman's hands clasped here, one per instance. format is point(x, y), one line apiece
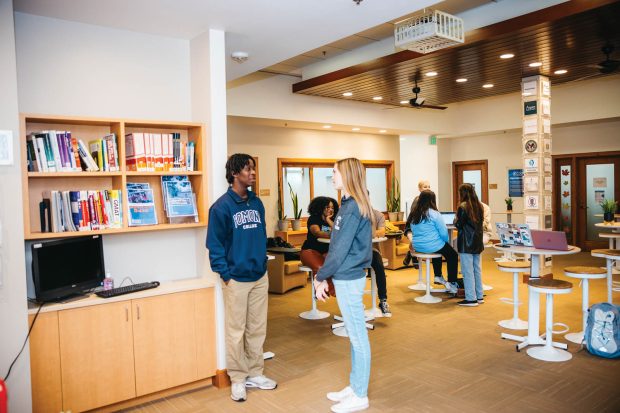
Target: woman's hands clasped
point(321, 289)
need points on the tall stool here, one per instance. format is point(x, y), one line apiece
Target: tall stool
point(427, 298)
point(314, 313)
point(611, 236)
point(610, 256)
point(550, 288)
point(514, 267)
point(420, 285)
point(374, 311)
point(586, 274)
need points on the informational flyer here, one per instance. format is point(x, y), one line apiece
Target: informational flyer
point(547, 167)
point(599, 182)
point(546, 125)
point(548, 183)
point(546, 88)
point(599, 196)
point(547, 146)
point(547, 202)
point(530, 126)
point(531, 165)
point(529, 88)
point(515, 182)
point(531, 183)
point(532, 221)
point(531, 202)
point(546, 106)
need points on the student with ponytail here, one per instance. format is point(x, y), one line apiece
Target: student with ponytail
point(350, 253)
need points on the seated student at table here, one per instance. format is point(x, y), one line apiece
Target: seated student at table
point(423, 185)
point(377, 264)
point(322, 210)
point(430, 236)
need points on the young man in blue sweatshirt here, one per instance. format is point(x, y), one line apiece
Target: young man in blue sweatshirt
point(237, 244)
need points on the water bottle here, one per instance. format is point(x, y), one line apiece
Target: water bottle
point(108, 282)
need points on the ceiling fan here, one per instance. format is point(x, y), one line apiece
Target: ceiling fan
point(608, 65)
point(418, 102)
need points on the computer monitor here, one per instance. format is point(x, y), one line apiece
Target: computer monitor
point(66, 267)
point(448, 217)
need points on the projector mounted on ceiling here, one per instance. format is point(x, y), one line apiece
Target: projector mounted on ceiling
point(429, 31)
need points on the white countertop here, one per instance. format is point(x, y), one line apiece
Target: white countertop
point(166, 287)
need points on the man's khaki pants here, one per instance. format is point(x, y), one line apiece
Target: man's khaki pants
point(246, 327)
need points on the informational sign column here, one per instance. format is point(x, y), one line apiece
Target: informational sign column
point(537, 182)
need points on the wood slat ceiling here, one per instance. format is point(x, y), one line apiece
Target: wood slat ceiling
point(573, 43)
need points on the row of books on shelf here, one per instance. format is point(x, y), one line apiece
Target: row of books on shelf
point(58, 151)
point(68, 211)
point(149, 152)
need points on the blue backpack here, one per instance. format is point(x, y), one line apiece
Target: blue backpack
point(602, 335)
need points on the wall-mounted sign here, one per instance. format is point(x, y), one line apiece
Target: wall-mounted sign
point(599, 182)
point(547, 199)
point(529, 88)
point(548, 183)
point(530, 183)
point(515, 182)
point(546, 125)
point(529, 108)
point(531, 164)
point(532, 221)
point(546, 88)
point(531, 202)
point(530, 126)
point(530, 146)
point(547, 166)
point(546, 106)
point(547, 146)
point(432, 140)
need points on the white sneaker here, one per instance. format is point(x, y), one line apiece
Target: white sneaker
point(451, 287)
point(261, 382)
point(338, 396)
point(440, 280)
point(237, 392)
point(351, 404)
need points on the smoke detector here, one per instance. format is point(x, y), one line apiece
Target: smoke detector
point(239, 57)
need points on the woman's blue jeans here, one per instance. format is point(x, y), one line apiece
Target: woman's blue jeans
point(472, 276)
point(349, 294)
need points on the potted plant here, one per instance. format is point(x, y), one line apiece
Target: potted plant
point(508, 201)
point(282, 222)
point(393, 202)
point(609, 209)
point(296, 222)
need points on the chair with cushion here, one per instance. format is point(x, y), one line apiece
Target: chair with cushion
point(285, 275)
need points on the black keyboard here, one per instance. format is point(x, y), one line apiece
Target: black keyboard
point(128, 289)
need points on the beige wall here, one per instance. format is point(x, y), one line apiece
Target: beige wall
point(503, 152)
point(270, 143)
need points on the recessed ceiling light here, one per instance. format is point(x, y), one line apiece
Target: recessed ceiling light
point(327, 126)
point(347, 94)
point(382, 131)
point(355, 129)
point(461, 80)
point(487, 85)
point(535, 64)
point(560, 71)
point(404, 102)
point(507, 56)
point(431, 74)
point(377, 98)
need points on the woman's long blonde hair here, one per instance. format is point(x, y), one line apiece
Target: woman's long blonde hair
point(354, 181)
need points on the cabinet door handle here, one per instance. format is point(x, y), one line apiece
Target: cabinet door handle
point(138, 309)
point(126, 314)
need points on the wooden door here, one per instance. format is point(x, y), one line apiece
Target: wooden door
point(598, 178)
point(473, 172)
point(165, 341)
point(96, 350)
point(45, 364)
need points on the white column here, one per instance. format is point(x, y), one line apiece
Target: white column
point(418, 161)
point(208, 77)
point(13, 304)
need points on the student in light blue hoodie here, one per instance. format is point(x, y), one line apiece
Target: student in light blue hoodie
point(350, 254)
point(237, 243)
point(430, 236)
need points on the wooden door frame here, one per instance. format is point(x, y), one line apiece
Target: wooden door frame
point(484, 179)
point(577, 188)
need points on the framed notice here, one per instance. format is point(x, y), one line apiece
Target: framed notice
point(547, 146)
point(530, 146)
point(546, 125)
point(531, 202)
point(548, 183)
point(532, 221)
point(546, 88)
point(547, 199)
point(530, 126)
point(599, 182)
point(546, 106)
point(547, 167)
point(530, 164)
point(529, 88)
point(531, 183)
point(599, 196)
point(515, 182)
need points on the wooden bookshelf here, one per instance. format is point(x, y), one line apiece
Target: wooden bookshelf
point(87, 129)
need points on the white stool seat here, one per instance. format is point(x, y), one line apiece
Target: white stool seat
point(612, 237)
point(514, 267)
point(586, 274)
point(313, 313)
point(427, 298)
point(550, 287)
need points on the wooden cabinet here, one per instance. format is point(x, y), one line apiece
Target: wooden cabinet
point(113, 352)
point(295, 238)
point(97, 355)
point(86, 129)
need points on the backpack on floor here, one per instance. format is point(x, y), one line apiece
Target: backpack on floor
point(602, 335)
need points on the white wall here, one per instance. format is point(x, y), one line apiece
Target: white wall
point(270, 143)
point(418, 161)
point(69, 68)
point(13, 306)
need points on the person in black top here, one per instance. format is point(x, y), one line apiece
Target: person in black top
point(322, 210)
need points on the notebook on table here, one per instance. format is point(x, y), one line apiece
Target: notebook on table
point(514, 234)
point(549, 240)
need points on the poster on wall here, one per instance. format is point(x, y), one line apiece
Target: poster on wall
point(599, 196)
point(547, 167)
point(599, 182)
point(546, 88)
point(530, 126)
point(531, 183)
point(546, 125)
point(532, 221)
point(546, 106)
point(547, 202)
point(515, 182)
point(531, 164)
point(548, 183)
point(531, 202)
point(529, 88)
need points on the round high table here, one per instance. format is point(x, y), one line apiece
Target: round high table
point(537, 259)
point(338, 328)
point(614, 227)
